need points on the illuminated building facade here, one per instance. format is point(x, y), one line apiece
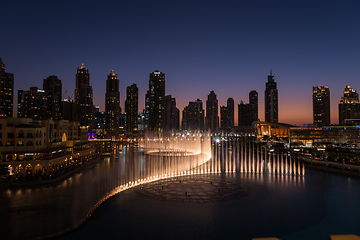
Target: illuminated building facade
point(172, 114)
point(212, 116)
point(321, 106)
point(37, 147)
point(131, 108)
point(156, 96)
point(53, 90)
point(254, 103)
point(271, 130)
point(6, 91)
point(83, 98)
point(193, 116)
point(271, 100)
point(21, 97)
point(112, 105)
point(33, 104)
point(349, 106)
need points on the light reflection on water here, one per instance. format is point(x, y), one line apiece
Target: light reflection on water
point(63, 205)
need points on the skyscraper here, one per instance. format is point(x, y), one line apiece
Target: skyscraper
point(321, 106)
point(271, 100)
point(33, 104)
point(6, 91)
point(112, 105)
point(193, 116)
point(212, 117)
point(20, 104)
point(172, 114)
point(131, 108)
point(83, 98)
point(223, 118)
point(53, 90)
point(244, 114)
point(156, 101)
point(248, 113)
point(349, 106)
point(253, 101)
point(230, 113)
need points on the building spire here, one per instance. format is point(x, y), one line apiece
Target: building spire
point(270, 72)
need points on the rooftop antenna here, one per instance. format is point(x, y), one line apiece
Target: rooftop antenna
point(270, 72)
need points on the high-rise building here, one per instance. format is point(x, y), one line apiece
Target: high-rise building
point(172, 114)
point(33, 104)
point(223, 118)
point(349, 106)
point(248, 113)
point(99, 122)
point(84, 108)
point(53, 89)
point(156, 96)
point(68, 108)
point(112, 105)
point(271, 100)
point(145, 120)
point(253, 101)
point(244, 114)
point(20, 104)
point(131, 108)
point(230, 113)
point(6, 91)
point(321, 106)
point(212, 117)
point(193, 116)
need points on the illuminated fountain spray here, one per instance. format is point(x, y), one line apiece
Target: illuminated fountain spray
point(246, 155)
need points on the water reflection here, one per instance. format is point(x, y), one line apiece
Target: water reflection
point(65, 205)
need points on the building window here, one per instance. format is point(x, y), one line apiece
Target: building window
point(29, 135)
point(21, 134)
point(10, 135)
point(29, 143)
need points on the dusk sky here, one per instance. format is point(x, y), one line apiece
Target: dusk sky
point(225, 46)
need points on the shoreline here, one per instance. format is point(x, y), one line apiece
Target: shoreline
point(333, 167)
point(49, 181)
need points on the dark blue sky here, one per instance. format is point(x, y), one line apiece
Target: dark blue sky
point(225, 46)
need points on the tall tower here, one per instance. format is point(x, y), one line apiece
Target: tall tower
point(112, 105)
point(349, 106)
point(6, 91)
point(53, 90)
point(244, 114)
point(131, 108)
point(83, 98)
point(193, 116)
point(223, 118)
point(253, 101)
point(230, 113)
point(321, 106)
point(20, 105)
point(212, 117)
point(33, 104)
point(271, 100)
point(172, 114)
point(156, 101)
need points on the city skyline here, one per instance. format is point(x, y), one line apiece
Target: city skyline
point(228, 48)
